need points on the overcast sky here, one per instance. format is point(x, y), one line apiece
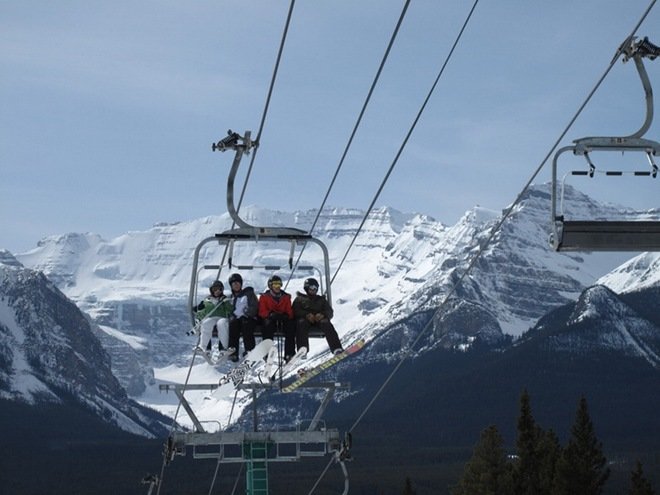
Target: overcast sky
point(109, 108)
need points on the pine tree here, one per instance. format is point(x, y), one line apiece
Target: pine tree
point(638, 484)
point(526, 469)
point(549, 451)
point(581, 467)
point(537, 450)
point(487, 472)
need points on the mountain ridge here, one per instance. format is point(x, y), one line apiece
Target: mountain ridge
point(135, 286)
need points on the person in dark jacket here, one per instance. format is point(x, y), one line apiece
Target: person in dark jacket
point(244, 317)
point(313, 310)
point(275, 312)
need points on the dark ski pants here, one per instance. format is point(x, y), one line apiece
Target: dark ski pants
point(242, 327)
point(286, 327)
point(328, 329)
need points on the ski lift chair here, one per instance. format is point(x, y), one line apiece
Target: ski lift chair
point(244, 232)
point(604, 235)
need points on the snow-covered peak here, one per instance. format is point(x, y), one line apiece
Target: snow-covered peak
point(601, 321)
point(641, 272)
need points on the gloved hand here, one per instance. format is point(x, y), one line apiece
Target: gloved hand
point(278, 317)
point(310, 318)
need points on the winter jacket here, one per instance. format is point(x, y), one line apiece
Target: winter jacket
point(305, 304)
point(218, 307)
point(245, 303)
point(270, 303)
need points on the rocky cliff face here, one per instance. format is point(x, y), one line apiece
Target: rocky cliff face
point(48, 348)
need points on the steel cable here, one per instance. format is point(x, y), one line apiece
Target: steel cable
point(407, 352)
point(405, 140)
point(382, 185)
point(355, 128)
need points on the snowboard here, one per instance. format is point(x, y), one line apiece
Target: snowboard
point(253, 359)
point(305, 375)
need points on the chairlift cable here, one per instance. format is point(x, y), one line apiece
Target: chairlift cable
point(483, 247)
point(267, 104)
point(262, 123)
point(355, 128)
point(176, 414)
point(407, 352)
point(261, 126)
point(238, 477)
point(493, 231)
point(321, 477)
point(405, 141)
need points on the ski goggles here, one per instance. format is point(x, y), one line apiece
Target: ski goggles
point(276, 284)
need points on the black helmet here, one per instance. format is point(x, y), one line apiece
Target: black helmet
point(311, 282)
point(235, 277)
point(274, 278)
point(215, 284)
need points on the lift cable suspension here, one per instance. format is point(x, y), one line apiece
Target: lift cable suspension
point(382, 185)
point(355, 128)
point(261, 123)
point(405, 140)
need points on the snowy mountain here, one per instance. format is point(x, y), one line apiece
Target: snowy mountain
point(603, 346)
point(48, 351)
point(400, 271)
point(602, 321)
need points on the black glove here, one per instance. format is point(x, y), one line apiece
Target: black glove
point(278, 317)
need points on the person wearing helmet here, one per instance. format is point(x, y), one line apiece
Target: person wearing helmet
point(310, 309)
point(214, 311)
point(276, 313)
point(244, 315)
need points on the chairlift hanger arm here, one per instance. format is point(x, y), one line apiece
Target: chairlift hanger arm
point(636, 50)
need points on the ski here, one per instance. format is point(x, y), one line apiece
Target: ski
point(253, 359)
point(214, 358)
point(222, 356)
point(294, 361)
point(305, 375)
point(271, 362)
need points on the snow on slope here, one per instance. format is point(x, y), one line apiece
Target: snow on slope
point(20, 379)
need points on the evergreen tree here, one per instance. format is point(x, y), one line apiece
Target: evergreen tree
point(549, 452)
point(581, 468)
point(526, 473)
point(408, 489)
point(537, 451)
point(638, 484)
point(487, 472)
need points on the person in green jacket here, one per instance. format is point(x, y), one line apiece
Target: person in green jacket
point(215, 310)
